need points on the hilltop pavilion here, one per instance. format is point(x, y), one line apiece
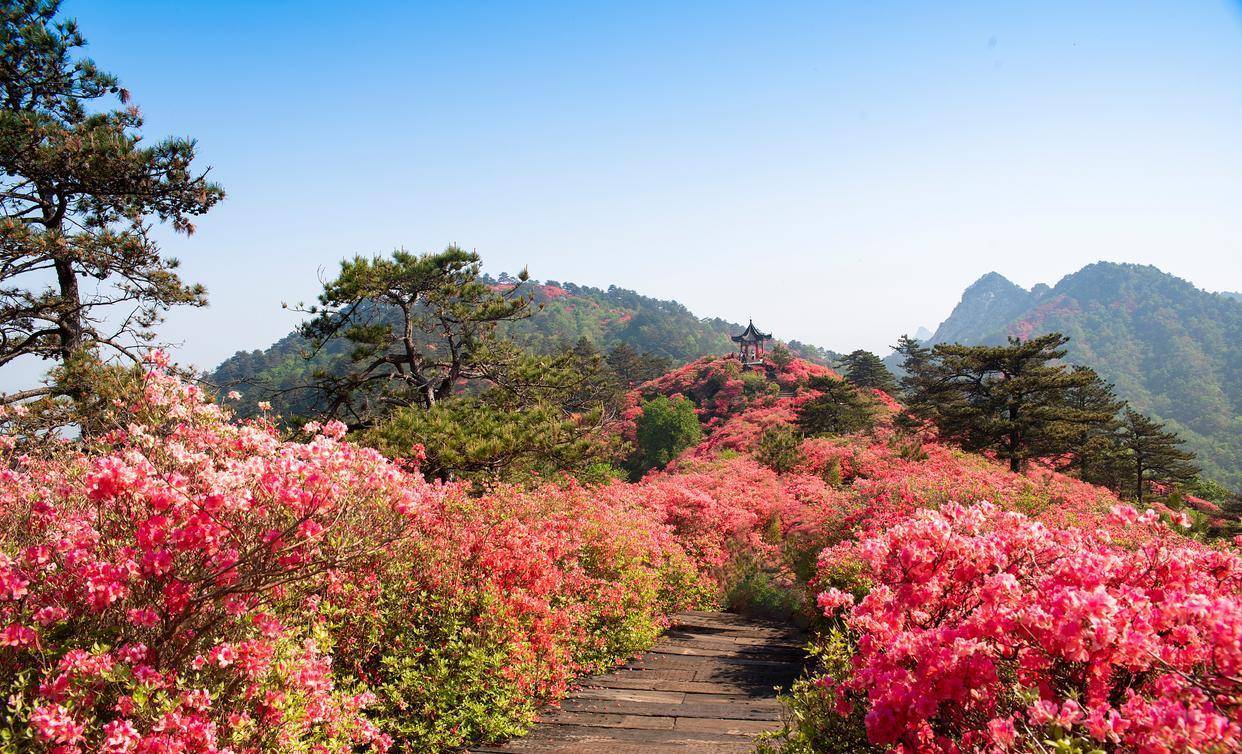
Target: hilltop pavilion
point(750, 345)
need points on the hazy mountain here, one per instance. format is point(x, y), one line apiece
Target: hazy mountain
point(1172, 349)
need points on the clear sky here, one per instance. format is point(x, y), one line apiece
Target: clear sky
point(839, 171)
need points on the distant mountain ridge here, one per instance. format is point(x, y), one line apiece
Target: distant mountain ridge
point(1173, 350)
point(567, 313)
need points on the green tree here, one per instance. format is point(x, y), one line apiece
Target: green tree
point(1093, 453)
point(914, 358)
point(780, 448)
point(781, 356)
point(535, 415)
point(634, 368)
point(1154, 454)
point(575, 378)
point(1209, 489)
point(666, 428)
point(838, 408)
point(1012, 400)
point(79, 194)
point(419, 324)
point(476, 439)
point(865, 369)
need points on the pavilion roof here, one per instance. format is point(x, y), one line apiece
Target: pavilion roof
point(751, 335)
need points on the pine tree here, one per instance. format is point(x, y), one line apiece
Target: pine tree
point(1011, 400)
point(537, 414)
point(914, 357)
point(781, 356)
point(780, 448)
point(481, 440)
point(420, 324)
point(634, 368)
point(1094, 454)
point(1153, 453)
point(865, 369)
point(838, 408)
point(78, 195)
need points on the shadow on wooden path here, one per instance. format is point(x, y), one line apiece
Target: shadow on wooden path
point(708, 685)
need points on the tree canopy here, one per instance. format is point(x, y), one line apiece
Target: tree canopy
point(838, 408)
point(419, 324)
point(79, 194)
point(1153, 453)
point(666, 427)
point(865, 369)
point(1012, 400)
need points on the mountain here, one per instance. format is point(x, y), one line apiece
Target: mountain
point(567, 313)
point(1231, 295)
point(1174, 351)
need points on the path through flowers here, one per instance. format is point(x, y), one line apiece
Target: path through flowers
point(709, 685)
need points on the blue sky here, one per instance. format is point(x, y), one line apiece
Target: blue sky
point(837, 171)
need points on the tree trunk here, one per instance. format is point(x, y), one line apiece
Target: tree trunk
point(69, 319)
point(1015, 440)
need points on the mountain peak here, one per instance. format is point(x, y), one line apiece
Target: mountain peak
point(990, 299)
point(993, 281)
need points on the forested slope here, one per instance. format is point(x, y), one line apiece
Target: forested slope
point(1172, 350)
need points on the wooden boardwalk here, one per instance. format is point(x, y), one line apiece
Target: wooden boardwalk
point(708, 685)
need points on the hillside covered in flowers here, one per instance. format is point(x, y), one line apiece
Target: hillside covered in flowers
point(184, 581)
point(423, 516)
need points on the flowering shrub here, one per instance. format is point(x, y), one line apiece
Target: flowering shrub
point(1047, 611)
point(718, 388)
point(500, 601)
point(185, 583)
point(984, 630)
point(157, 583)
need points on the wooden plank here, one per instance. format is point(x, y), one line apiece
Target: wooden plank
point(739, 708)
point(694, 650)
point(761, 652)
point(728, 727)
point(608, 720)
point(587, 733)
point(682, 673)
point(730, 745)
point(667, 661)
point(638, 681)
point(758, 682)
point(714, 698)
point(630, 695)
point(679, 636)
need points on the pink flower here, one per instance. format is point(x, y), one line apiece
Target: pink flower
point(120, 737)
point(1002, 732)
point(55, 725)
point(17, 635)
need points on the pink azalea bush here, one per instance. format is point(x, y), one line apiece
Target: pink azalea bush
point(975, 609)
point(717, 387)
point(187, 583)
point(157, 585)
point(499, 601)
point(984, 630)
